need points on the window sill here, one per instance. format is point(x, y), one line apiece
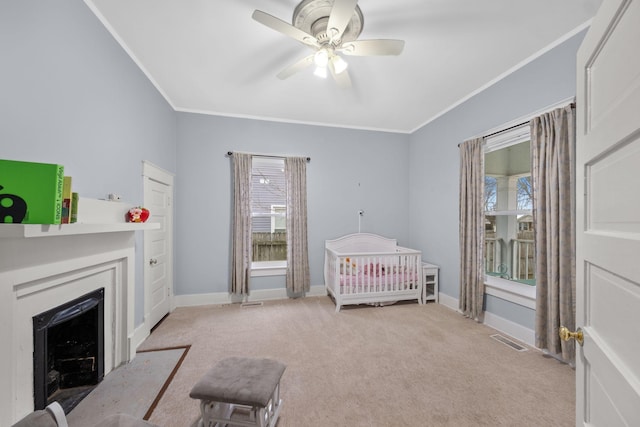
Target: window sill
point(268, 268)
point(509, 213)
point(508, 290)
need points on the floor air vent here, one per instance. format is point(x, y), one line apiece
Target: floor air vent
point(251, 304)
point(508, 342)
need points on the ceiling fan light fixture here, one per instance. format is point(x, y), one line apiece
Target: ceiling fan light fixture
point(339, 64)
point(321, 72)
point(321, 58)
point(331, 28)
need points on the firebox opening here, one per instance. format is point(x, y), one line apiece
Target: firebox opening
point(69, 351)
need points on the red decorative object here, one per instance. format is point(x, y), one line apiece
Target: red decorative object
point(138, 214)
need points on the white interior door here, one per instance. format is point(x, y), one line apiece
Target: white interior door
point(608, 218)
point(158, 244)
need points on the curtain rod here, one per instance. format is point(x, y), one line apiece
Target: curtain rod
point(571, 104)
point(230, 153)
point(506, 129)
point(503, 130)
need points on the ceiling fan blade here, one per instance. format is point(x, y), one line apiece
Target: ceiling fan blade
point(284, 28)
point(372, 47)
point(341, 14)
point(342, 79)
point(296, 67)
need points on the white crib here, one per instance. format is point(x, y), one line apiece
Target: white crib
point(367, 268)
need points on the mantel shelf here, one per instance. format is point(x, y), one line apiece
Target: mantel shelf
point(24, 231)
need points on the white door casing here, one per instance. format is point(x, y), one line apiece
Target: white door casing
point(608, 218)
point(158, 244)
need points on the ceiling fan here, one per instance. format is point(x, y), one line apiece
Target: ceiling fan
point(330, 28)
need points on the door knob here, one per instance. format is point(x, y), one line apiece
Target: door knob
point(153, 261)
point(565, 335)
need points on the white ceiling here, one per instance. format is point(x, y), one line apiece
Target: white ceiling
point(211, 57)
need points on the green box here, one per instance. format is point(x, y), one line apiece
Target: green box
point(30, 193)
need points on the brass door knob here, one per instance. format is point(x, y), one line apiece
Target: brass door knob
point(565, 335)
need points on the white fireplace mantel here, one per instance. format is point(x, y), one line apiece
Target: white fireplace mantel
point(51, 230)
point(43, 266)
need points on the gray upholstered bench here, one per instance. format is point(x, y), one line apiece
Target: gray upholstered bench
point(246, 389)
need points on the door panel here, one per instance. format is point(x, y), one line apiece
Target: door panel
point(611, 68)
point(606, 290)
point(618, 169)
point(612, 400)
point(158, 193)
point(608, 218)
point(158, 251)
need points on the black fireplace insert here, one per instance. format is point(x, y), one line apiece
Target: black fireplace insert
point(68, 358)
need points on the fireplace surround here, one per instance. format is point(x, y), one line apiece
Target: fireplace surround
point(43, 267)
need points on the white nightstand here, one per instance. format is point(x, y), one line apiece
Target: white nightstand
point(430, 281)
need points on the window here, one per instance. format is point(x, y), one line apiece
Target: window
point(268, 210)
point(509, 239)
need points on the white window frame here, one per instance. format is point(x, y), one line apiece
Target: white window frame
point(506, 289)
point(269, 268)
point(275, 214)
point(510, 290)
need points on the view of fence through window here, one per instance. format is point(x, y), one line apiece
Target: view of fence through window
point(268, 209)
point(509, 234)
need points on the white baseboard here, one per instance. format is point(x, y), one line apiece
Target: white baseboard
point(510, 328)
point(449, 302)
point(317, 291)
point(139, 335)
point(227, 298)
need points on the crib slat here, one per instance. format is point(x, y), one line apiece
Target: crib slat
point(351, 274)
point(384, 277)
point(368, 276)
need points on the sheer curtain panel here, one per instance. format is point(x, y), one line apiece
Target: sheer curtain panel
point(471, 228)
point(552, 168)
point(241, 259)
point(298, 278)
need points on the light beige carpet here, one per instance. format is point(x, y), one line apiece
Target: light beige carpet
point(399, 365)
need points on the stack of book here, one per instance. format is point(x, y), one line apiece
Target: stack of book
point(35, 193)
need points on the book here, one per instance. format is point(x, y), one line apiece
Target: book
point(30, 193)
point(66, 201)
point(74, 207)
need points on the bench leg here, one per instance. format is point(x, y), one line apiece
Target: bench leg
point(211, 411)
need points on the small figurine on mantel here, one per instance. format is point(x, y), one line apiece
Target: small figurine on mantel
point(138, 214)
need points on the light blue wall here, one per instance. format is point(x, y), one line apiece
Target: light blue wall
point(69, 94)
point(434, 155)
point(349, 170)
